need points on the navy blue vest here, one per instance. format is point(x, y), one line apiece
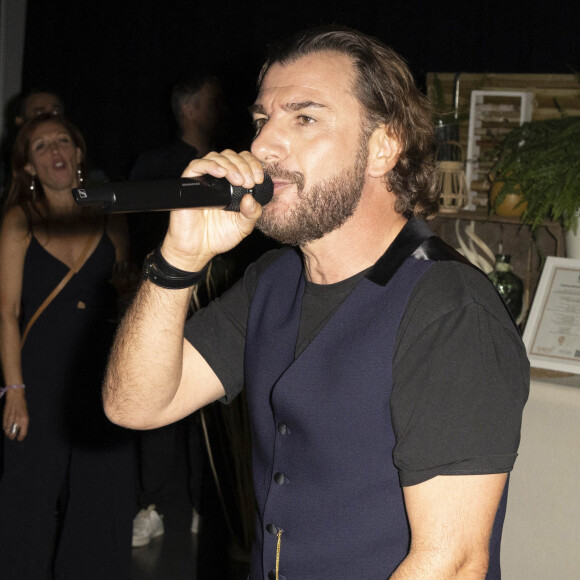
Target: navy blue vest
point(327, 492)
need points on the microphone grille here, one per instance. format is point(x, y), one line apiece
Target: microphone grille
point(262, 193)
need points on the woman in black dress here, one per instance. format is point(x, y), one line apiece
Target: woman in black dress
point(66, 490)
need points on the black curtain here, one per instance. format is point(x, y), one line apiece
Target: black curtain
point(114, 63)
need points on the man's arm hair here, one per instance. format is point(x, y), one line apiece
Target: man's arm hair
point(451, 519)
point(154, 376)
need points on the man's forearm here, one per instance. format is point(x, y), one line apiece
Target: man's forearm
point(425, 565)
point(146, 360)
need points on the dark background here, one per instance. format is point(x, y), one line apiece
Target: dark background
point(114, 62)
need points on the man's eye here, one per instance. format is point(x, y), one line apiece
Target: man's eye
point(305, 120)
point(259, 123)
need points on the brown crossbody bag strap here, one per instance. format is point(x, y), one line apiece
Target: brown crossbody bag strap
point(77, 266)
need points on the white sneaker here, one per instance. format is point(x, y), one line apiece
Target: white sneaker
point(195, 522)
point(147, 524)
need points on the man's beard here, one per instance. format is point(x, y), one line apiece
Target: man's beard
point(321, 209)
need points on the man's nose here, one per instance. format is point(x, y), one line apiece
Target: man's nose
point(272, 144)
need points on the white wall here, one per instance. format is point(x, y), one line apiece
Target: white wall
point(541, 537)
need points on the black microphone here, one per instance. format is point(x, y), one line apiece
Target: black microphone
point(169, 194)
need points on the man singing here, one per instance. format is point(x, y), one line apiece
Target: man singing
point(385, 378)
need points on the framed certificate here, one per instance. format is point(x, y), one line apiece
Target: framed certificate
point(552, 333)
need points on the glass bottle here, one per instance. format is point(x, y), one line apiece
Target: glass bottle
point(509, 286)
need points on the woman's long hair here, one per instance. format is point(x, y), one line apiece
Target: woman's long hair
point(20, 192)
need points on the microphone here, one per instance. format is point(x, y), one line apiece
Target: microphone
point(170, 194)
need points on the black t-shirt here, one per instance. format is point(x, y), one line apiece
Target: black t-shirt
point(460, 370)
point(318, 304)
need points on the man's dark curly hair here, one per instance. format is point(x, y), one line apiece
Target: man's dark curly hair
point(385, 88)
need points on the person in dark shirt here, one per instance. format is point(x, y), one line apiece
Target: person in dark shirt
point(385, 377)
point(198, 107)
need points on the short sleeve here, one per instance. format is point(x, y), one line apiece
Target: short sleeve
point(460, 378)
point(218, 331)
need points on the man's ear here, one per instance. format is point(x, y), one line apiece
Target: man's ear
point(384, 151)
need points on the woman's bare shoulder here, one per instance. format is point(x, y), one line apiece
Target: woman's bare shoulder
point(15, 224)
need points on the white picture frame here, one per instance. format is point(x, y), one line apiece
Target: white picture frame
point(552, 332)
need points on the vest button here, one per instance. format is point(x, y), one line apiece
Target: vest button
point(271, 575)
point(272, 529)
point(280, 478)
point(283, 429)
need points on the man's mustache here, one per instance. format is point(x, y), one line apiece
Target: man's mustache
point(275, 171)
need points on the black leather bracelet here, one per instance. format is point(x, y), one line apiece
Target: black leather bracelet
point(159, 271)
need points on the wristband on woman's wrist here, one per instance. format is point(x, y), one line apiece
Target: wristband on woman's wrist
point(159, 271)
point(4, 390)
